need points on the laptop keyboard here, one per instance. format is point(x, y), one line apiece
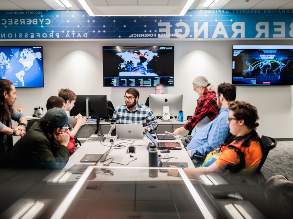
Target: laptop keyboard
point(166, 137)
point(99, 138)
point(91, 158)
point(177, 164)
point(78, 168)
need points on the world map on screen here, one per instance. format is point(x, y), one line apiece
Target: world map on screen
point(22, 66)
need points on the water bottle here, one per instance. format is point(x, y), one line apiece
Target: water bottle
point(153, 161)
point(180, 116)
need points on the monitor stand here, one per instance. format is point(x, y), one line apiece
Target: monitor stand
point(166, 114)
point(168, 120)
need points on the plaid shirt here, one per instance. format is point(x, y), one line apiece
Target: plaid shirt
point(141, 115)
point(206, 106)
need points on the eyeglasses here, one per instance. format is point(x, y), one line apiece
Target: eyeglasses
point(230, 119)
point(129, 98)
point(159, 90)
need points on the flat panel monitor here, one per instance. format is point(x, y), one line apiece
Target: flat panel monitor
point(158, 101)
point(97, 105)
point(22, 65)
point(138, 66)
point(264, 65)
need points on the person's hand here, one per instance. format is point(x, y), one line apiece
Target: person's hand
point(61, 138)
point(177, 131)
point(173, 172)
point(18, 132)
point(144, 129)
point(80, 121)
point(22, 130)
point(189, 153)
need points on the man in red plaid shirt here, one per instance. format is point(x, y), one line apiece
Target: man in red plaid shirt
point(206, 105)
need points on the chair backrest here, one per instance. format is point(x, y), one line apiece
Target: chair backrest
point(269, 144)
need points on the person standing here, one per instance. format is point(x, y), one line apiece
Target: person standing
point(7, 113)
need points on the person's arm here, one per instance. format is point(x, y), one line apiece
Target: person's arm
point(204, 106)
point(191, 172)
point(8, 131)
point(79, 122)
point(151, 122)
point(217, 135)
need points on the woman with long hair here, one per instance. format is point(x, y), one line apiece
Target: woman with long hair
point(7, 99)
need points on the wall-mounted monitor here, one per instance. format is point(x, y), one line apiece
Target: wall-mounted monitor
point(262, 65)
point(138, 66)
point(22, 65)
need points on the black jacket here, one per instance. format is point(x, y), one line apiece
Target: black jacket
point(36, 150)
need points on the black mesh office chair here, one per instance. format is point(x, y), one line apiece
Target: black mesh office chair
point(269, 144)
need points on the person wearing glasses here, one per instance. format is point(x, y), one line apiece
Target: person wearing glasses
point(45, 143)
point(242, 151)
point(216, 132)
point(159, 89)
point(206, 105)
point(134, 112)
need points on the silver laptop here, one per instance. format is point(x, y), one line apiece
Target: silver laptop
point(131, 131)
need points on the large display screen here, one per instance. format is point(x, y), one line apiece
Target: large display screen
point(262, 65)
point(22, 65)
point(138, 66)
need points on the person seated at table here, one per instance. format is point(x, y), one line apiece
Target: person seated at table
point(45, 143)
point(59, 102)
point(134, 112)
point(241, 152)
point(7, 113)
point(206, 105)
point(159, 89)
point(215, 133)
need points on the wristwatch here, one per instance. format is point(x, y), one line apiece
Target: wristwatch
point(23, 124)
point(14, 131)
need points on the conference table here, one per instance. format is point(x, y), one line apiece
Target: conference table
point(124, 186)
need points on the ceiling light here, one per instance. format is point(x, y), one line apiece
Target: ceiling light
point(207, 3)
point(66, 3)
point(86, 7)
point(59, 3)
point(186, 7)
point(214, 3)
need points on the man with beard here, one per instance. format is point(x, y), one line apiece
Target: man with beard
point(133, 112)
point(215, 133)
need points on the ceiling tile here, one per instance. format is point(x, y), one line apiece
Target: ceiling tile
point(241, 4)
point(31, 4)
point(122, 2)
point(153, 2)
point(99, 2)
point(8, 5)
point(288, 6)
point(175, 2)
point(271, 4)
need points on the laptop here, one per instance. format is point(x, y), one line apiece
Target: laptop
point(130, 131)
point(91, 158)
point(164, 145)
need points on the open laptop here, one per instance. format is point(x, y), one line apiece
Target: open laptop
point(130, 131)
point(164, 145)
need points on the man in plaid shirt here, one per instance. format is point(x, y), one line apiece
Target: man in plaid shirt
point(133, 112)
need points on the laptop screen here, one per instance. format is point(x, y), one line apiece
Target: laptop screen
point(151, 138)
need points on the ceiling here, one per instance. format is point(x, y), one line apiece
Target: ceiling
point(142, 7)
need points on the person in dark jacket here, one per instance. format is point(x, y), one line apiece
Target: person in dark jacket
point(45, 144)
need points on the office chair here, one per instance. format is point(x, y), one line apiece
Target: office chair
point(269, 144)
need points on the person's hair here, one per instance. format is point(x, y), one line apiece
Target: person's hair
point(5, 109)
point(132, 91)
point(67, 94)
point(201, 81)
point(159, 85)
point(245, 111)
point(228, 90)
point(55, 101)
